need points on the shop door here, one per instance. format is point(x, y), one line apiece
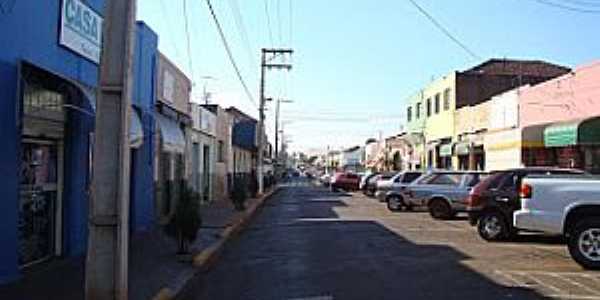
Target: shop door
point(38, 201)
point(206, 172)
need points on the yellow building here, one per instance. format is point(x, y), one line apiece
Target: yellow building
point(439, 107)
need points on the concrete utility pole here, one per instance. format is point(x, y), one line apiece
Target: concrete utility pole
point(107, 255)
point(279, 101)
point(264, 65)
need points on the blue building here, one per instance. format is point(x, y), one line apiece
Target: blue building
point(48, 81)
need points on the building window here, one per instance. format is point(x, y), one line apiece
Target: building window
point(409, 114)
point(418, 112)
point(447, 99)
point(221, 152)
point(429, 107)
point(437, 103)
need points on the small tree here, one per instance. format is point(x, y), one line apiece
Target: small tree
point(186, 220)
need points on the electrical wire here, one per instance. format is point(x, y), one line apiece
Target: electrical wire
point(170, 25)
point(444, 30)
point(568, 7)
point(189, 44)
point(230, 54)
point(241, 27)
point(279, 22)
point(268, 17)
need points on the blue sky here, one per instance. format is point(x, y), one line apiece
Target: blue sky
point(356, 62)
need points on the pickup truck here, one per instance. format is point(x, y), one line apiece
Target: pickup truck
point(567, 205)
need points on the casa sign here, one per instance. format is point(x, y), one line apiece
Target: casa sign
point(81, 29)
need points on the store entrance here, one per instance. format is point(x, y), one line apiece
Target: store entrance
point(38, 201)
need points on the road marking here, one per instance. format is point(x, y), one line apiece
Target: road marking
point(556, 292)
point(578, 284)
point(574, 297)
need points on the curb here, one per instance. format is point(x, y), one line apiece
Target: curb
point(204, 260)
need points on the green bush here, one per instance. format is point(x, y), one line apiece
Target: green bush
point(186, 220)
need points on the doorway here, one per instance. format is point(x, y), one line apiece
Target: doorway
point(207, 173)
point(39, 224)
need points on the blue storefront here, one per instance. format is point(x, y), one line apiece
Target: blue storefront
point(48, 82)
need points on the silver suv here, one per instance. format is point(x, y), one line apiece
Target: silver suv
point(445, 193)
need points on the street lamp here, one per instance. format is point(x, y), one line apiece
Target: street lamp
point(279, 101)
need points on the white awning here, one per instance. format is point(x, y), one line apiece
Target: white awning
point(173, 139)
point(136, 131)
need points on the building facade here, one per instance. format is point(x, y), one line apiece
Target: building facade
point(203, 152)
point(434, 108)
point(173, 127)
point(49, 79)
point(564, 115)
point(503, 140)
point(224, 152)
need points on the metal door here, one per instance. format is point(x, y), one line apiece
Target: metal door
point(39, 192)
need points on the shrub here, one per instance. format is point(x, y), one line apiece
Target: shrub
point(186, 220)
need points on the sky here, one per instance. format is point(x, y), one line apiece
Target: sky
point(356, 62)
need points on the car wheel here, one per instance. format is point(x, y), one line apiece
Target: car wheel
point(439, 209)
point(394, 203)
point(584, 244)
point(492, 226)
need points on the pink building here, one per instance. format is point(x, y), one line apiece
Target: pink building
point(561, 117)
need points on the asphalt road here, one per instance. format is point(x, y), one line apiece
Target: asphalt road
point(310, 243)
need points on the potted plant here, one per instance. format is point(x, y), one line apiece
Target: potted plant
point(186, 220)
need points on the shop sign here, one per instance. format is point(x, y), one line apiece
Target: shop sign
point(81, 29)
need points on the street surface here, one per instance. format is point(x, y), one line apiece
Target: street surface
point(310, 243)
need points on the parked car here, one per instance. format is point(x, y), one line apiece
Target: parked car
point(491, 203)
point(393, 197)
point(565, 205)
point(444, 193)
point(345, 181)
point(365, 180)
point(382, 185)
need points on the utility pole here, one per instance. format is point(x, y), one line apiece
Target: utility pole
point(267, 56)
point(107, 256)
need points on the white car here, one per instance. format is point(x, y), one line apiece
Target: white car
point(567, 205)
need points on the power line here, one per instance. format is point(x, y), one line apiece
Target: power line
point(291, 21)
point(279, 21)
point(229, 53)
point(171, 36)
point(568, 7)
point(241, 27)
point(189, 46)
point(268, 17)
point(444, 30)
point(584, 3)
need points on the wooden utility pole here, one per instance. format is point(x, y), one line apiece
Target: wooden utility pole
point(267, 55)
point(107, 256)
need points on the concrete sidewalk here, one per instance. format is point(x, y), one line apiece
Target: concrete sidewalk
point(154, 271)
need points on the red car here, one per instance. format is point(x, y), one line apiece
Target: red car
point(345, 181)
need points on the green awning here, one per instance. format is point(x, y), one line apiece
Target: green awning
point(446, 150)
point(579, 132)
point(462, 148)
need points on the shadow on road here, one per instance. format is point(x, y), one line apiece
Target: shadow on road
point(339, 259)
